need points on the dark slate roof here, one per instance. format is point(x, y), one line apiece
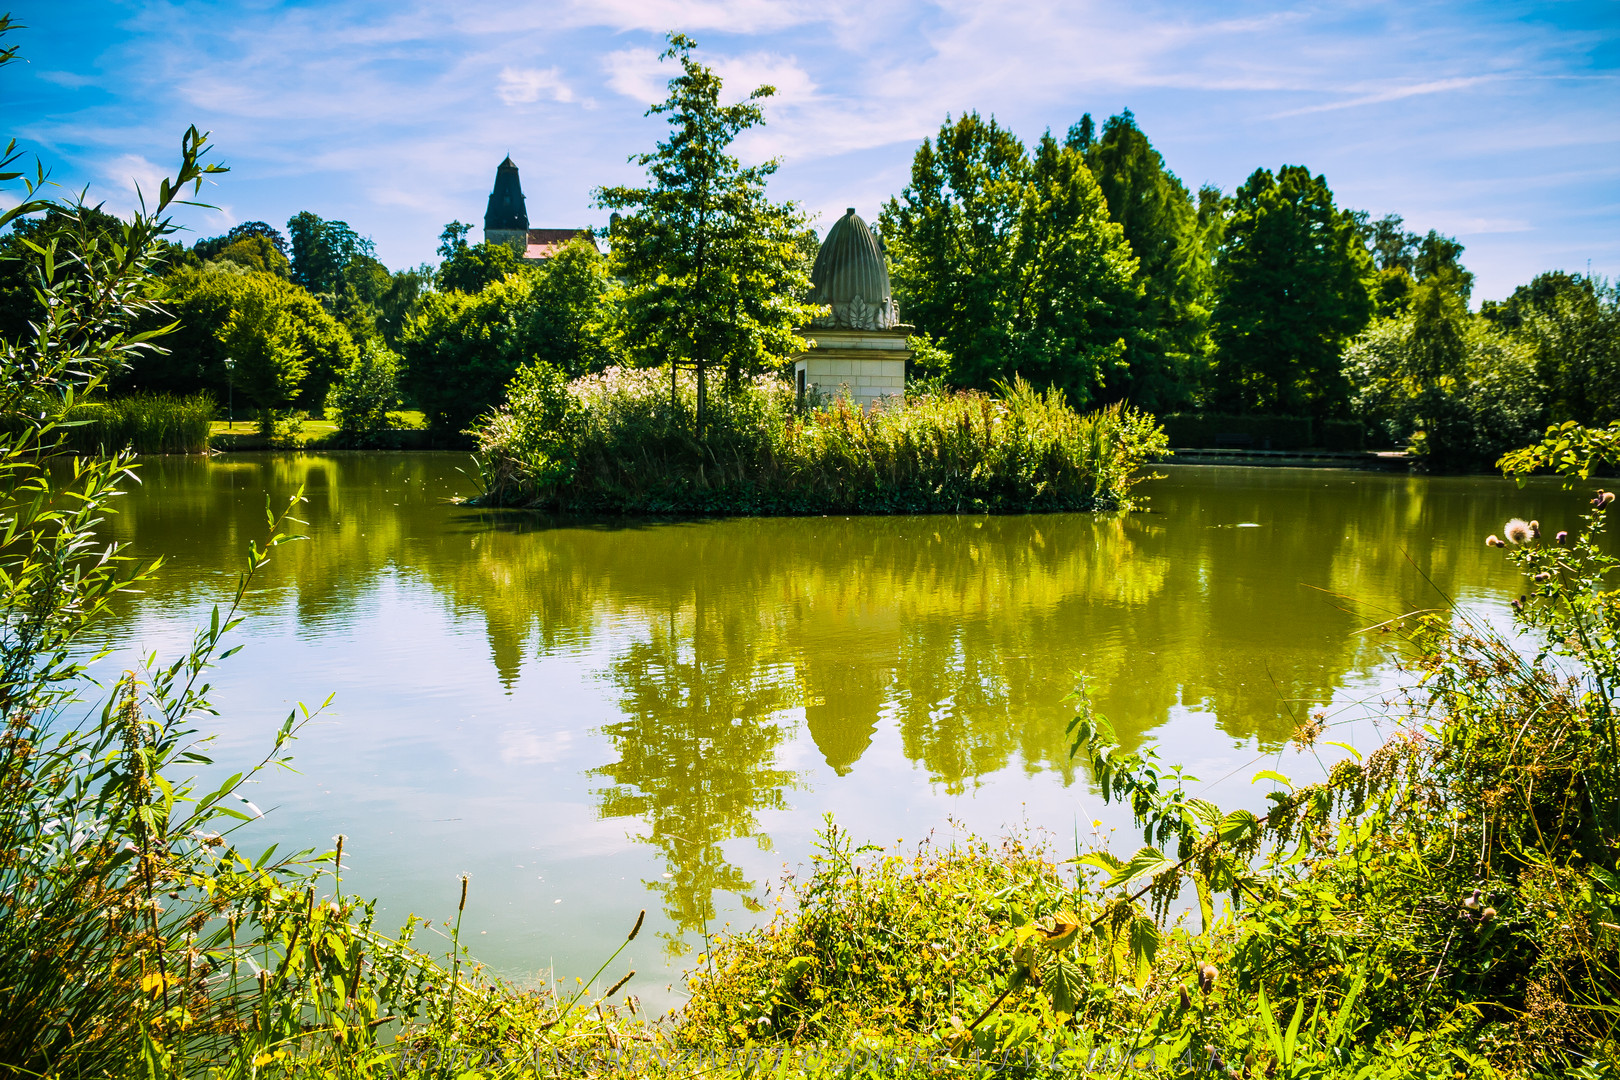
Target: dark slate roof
point(506, 209)
point(852, 276)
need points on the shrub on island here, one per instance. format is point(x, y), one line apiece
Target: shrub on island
point(616, 442)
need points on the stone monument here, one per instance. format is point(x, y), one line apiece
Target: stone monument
point(860, 346)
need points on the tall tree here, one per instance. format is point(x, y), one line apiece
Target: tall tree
point(1165, 232)
point(248, 230)
point(1076, 321)
point(951, 235)
point(469, 268)
point(321, 251)
point(1012, 263)
point(1572, 324)
point(1459, 392)
point(710, 264)
point(1292, 285)
point(1403, 259)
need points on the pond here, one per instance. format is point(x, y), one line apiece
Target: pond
point(595, 717)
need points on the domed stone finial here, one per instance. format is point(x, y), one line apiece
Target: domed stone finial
point(852, 277)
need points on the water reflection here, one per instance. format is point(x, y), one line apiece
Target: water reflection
point(714, 645)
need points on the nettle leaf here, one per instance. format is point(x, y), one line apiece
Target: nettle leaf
point(1065, 984)
point(1102, 860)
point(1239, 825)
point(1144, 946)
point(1147, 862)
point(1205, 811)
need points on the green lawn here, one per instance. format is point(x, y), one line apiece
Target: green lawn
point(244, 433)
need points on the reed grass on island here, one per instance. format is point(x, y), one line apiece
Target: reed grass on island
point(616, 443)
point(144, 423)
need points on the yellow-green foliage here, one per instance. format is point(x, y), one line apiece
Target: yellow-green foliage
point(891, 945)
point(616, 442)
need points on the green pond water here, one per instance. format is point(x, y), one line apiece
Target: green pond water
point(595, 717)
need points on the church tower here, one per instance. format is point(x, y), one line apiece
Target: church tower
point(506, 221)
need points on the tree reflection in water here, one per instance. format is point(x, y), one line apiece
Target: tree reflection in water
point(952, 639)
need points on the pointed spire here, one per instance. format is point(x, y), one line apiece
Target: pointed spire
point(506, 211)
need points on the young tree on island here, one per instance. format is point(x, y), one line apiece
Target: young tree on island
point(1292, 287)
point(710, 264)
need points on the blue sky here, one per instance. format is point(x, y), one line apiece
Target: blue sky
point(1497, 123)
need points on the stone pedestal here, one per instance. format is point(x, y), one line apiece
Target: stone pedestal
point(864, 365)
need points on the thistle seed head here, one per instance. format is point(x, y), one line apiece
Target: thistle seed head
point(1562, 538)
point(1518, 530)
point(1494, 541)
point(1487, 915)
point(1542, 578)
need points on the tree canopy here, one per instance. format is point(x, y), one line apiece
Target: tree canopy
point(1013, 263)
point(1292, 286)
point(1169, 237)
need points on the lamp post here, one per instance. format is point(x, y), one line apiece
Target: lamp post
point(230, 391)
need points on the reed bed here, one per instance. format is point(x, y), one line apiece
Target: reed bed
point(144, 423)
point(617, 443)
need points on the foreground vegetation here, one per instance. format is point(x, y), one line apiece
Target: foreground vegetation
point(618, 443)
point(1446, 905)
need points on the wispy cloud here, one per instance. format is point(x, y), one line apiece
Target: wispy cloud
point(1393, 93)
point(521, 86)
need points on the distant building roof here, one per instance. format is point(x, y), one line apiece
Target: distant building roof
point(506, 210)
point(544, 243)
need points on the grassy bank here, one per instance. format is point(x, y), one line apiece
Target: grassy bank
point(407, 431)
point(616, 443)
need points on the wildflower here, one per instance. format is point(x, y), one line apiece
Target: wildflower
point(1608, 497)
point(1535, 528)
point(1494, 541)
point(1472, 900)
point(1207, 974)
point(1562, 538)
point(1518, 530)
point(1487, 915)
point(1543, 578)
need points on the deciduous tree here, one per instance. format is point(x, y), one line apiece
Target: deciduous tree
point(710, 264)
point(1013, 263)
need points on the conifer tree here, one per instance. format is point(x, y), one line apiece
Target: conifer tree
point(1165, 233)
point(1292, 287)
